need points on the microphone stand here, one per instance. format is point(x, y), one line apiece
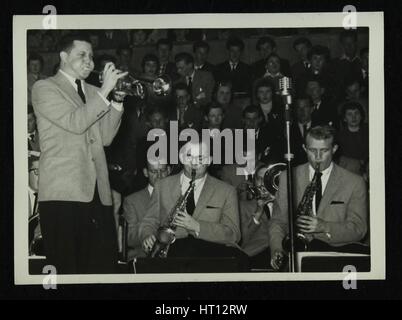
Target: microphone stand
point(287, 99)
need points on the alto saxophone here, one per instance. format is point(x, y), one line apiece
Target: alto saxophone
point(305, 208)
point(166, 234)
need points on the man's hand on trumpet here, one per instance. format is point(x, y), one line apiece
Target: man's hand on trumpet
point(110, 77)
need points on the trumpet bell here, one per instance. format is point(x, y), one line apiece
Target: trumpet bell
point(271, 176)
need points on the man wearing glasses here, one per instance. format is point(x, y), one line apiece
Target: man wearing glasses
point(209, 226)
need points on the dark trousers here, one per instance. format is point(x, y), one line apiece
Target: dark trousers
point(191, 247)
point(79, 237)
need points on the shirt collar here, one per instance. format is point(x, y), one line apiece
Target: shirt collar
point(72, 80)
point(187, 180)
point(325, 173)
point(150, 189)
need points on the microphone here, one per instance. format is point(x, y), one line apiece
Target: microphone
point(285, 87)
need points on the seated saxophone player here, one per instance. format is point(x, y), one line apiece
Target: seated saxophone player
point(255, 216)
point(338, 207)
point(208, 225)
point(135, 205)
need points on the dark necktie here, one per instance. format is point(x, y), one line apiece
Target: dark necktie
point(318, 193)
point(190, 204)
point(80, 92)
point(190, 85)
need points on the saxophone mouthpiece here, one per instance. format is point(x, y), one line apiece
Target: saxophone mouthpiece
point(193, 173)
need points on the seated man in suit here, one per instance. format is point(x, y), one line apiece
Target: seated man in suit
point(302, 46)
point(234, 70)
point(166, 67)
point(209, 226)
point(188, 115)
point(200, 83)
point(267, 144)
point(324, 110)
point(300, 127)
point(338, 208)
point(135, 206)
point(201, 51)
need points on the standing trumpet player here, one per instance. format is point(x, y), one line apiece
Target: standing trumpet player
point(339, 205)
point(75, 121)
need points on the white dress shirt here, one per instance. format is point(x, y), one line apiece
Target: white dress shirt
point(301, 127)
point(199, 184)
point(150, 189)
point(117, 105)
point(324, 180)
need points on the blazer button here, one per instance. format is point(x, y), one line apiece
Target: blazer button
point(91, 140)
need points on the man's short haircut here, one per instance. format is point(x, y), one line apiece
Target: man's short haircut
point(235, 42)
point(303, 98)
point(351, 79)
point(263, 40)
point(122, 48)
point(164, 41)
point(36, 57)
point(211, 106)
point(149, 57)
point(253, 109)
point(182, 86)
point(264, 82)
point(319, 50)
point(321, 133)
point(105, 57)
point(200, 44)
point(348, 34)
point(318, 79)
point(66, 43)
point(302, 40)
point(274, 55)
point(353, 105)
point(184, 56)
point(156, 109)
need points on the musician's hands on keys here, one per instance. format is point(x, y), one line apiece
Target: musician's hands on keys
point(148, 243)
point(277, 258)
point(307, 224)
point(184, 220)
point(110, 77)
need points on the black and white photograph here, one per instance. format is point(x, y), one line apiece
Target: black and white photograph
point(199, 147)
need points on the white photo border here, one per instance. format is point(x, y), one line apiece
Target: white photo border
point(373, 20)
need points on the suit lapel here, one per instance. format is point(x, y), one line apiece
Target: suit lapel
point(206, 193)
point(329, 191)
point(66, 86)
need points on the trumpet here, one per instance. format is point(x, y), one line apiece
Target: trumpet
point(134, 86)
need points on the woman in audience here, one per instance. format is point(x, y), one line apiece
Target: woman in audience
point(223, 97)
point(353, 139)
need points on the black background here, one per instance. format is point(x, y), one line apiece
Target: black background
point(389, 289)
